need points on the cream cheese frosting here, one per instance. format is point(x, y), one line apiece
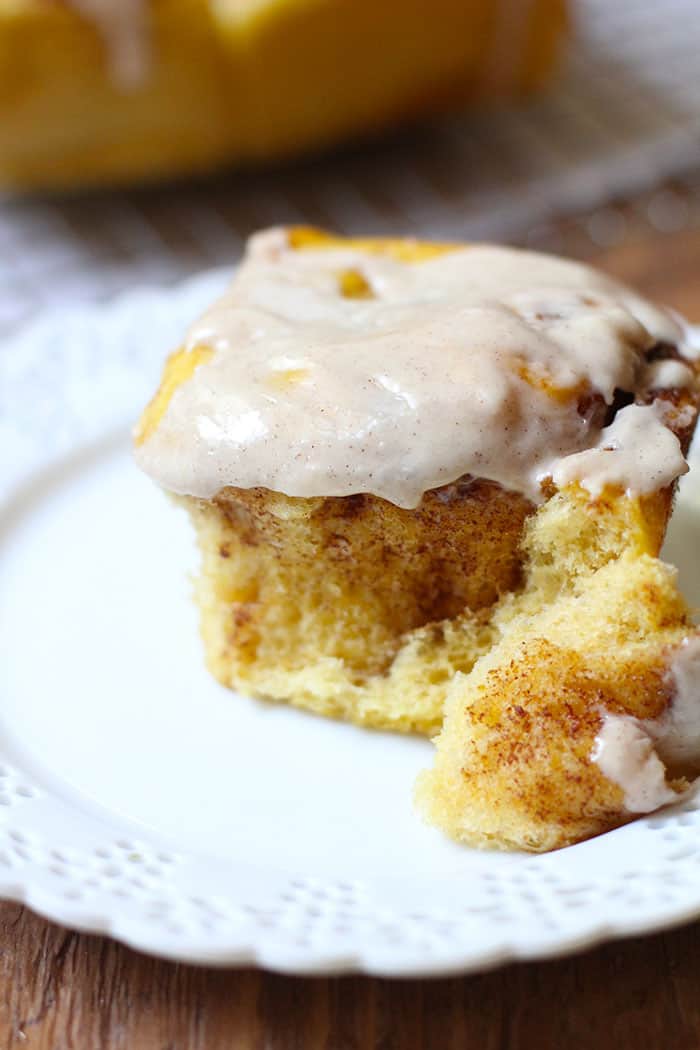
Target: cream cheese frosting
point(636, 753)
point(679, 734)
point(636, 452)
point(484, 360)
point(624, 750)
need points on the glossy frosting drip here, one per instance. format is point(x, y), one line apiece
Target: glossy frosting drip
point(122, 24)
point(635, 753)
point(679, 741)
point(485, 360)
point(624, 750)
point(636, 452)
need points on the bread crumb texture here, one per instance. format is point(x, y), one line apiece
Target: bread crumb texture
point(524, 627)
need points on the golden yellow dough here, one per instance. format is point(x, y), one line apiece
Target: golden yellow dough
point(232, 81)
point(513, 762)
point(521, 625)
point(351, 606)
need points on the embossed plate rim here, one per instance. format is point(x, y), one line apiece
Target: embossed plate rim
point(68, 380)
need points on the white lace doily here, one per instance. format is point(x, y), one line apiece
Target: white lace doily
point(140, 799)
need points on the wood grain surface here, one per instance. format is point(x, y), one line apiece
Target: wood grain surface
point(60, 990)
point(64, 991)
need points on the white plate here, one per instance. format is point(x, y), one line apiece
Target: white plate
point(139, 798)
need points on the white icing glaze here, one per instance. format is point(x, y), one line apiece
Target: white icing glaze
point(635, 753)
point(122, 24)
point(636, 452)
point(438, 375)
point(625, 753)
point(667, 375)
point(678, 738)
point(690, 347)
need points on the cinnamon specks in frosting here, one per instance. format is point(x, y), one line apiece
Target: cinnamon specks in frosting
point(474, 361)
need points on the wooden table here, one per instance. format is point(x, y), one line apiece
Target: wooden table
point(60, 990)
